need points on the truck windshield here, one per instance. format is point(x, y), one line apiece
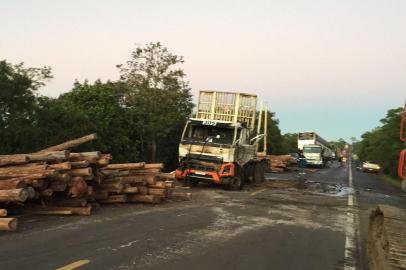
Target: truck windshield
point(200, 133)
point(311, 150)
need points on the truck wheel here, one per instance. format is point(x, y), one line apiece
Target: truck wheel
point(404, 185)
point(259, 173)
point(236, 183)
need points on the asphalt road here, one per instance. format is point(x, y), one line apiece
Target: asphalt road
point(320, 227)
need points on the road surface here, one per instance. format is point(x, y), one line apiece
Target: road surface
point(323, 226)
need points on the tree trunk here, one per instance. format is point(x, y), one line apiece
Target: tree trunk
point(12, 184)
point(39, 209)
point(3, 212)
point(8, 224)
point(115, 199)
point(13, 195)
point(144, 199)
point(13, 160)
point(125, 166)
point(71, 143)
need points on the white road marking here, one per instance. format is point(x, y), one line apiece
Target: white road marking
point(351, 228)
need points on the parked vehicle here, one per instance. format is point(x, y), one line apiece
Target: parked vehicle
point(371, 166)
point(220, 145)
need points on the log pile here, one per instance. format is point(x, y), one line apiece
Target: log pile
point(281, 163)
point(57, 181)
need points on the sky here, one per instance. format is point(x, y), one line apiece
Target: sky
point(334, 67)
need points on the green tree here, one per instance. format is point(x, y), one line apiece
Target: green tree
point(159, 95)
point(290, 142)
point(382, 144)
point(18, 103)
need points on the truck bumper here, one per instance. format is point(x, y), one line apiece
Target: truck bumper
point(226, 170)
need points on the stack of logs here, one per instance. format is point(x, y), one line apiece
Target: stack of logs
point(57, 181)
point(281, 163)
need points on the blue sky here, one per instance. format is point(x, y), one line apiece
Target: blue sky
point(335, 67)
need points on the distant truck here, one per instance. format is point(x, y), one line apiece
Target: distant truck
point(220, 145)
point(315, 149)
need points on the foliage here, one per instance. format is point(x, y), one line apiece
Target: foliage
point(160, 97)
point(18, 104)
point(382, 144)
point(290, 142)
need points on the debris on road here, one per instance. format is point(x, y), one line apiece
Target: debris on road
point(57, 181)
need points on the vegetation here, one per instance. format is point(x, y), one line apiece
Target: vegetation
point(382, 144)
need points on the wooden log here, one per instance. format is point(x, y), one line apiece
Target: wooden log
point(49, 156)
point(90, 191)
point(69, 202)
point(135, 179)
point(32, 194)
point(83, 211)
point(3, 212)
point(8, 224)
point(115, 199)
point(111, 187)
point(26, 169)
point(169, 184)
point(12, 184)
point(101, 194)
point(183, 196)
point(46, 192)
point(130, 190)
point(61, 166)
point(13, 160)
point(81, 172)
point(80, 164)
point(104, 160)
point(125, 166)
point(144, 199)
point(71, 143)
point(143, 190)
point(161, 192)
point(77, 187)
point(13, 195)
point(27, 174)
point(159, 166)
point(58, 186)
point(62, 177)
point(37, 183)
point(158, 184)
point(91, 157)
point(165, 176)
point(48, 212)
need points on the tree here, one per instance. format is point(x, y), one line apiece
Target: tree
point(382, 144)
point(18, 85)
point(290, 142)
point(160, 97)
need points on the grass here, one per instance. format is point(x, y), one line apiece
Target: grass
point(390, 180)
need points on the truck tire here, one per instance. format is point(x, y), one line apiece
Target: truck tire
point(237, 181)
point(259, 173)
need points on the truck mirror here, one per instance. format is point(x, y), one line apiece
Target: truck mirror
point(402, 165)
